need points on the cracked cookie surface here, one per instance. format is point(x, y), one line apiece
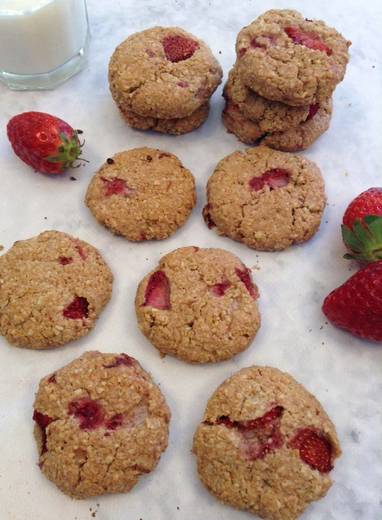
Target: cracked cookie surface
point(142, 194)
point(179, 126)
point(199, 305)
point(100, 423)
point(48, 294)
point(266, 199)
point(285, 57)
point(293, 139)
point(270, 116)
point(265, 444)
point(163, 72)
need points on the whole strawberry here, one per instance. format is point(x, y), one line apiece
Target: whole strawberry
point(45, 142)
point(362, 226)
point(357, 304)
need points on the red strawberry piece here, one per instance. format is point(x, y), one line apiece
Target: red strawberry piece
point(245, 276)
point(270, 40)
point(52, 379)
point(157, 292)
point(313, 109)
point(179, 48)
point(307, 39)
point(116, 186)
point(183, 84)
point(255, 44)
point(314, 447)
point(261, 435)
point(114, 422)
point(207, 217)
point(78, 309)
point(122, 359)
point(88, 412)
point(242, 51)
point(65, 260)
point(274, 178)
point(43, 141)
point(43, 421)
point(81, 251)
point(356, 306)
point(219, 289)
point(362, 226)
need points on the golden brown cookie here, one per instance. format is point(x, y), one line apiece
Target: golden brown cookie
point(266, 199)
point(142, 194)
point(52, 289)
point(198, 305)
point(180, 126)
point(271, 116)
point(163, 72)
point(100, 423)
point(265, 444)
point(293, 139)
point(285, 57)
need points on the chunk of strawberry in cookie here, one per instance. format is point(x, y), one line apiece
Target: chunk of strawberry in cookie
point(219, 289)
point(88, 412)
point(307, 39)
point(179, 48)
point(115, 186)
point(157, 292)
point(274, 178)
point(245, 276)
point(78, 309)
point(43, 422)
point(315, 449)
point(207, 216)
point(313, 109)
point(122, 359)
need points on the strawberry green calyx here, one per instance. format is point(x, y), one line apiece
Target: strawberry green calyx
point(69, 150)
point(364, 239)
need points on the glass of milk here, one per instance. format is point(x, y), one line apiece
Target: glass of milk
point(42, 42)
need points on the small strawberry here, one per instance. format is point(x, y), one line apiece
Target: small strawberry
point(362, 226)
point(44, 142)
point(356, 306)
point(179, 48)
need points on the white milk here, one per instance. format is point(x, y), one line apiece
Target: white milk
point(37, 36)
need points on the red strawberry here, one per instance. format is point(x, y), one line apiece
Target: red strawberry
point(43, 421)
point(87, 411)
point(313, 109)
point(362, 226)
point(315, 449)
point(78, 309)
point(157, 292)
point(45, 142)
point(219, 289)
point(245, 277)
point(308, 39)
point(274, 178)
point(115, 186)
point(356, 306)
point(179, 48)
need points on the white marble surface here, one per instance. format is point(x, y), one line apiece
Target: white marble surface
point(343, 372)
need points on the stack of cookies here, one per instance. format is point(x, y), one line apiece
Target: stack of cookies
point(279, 91)
point(162, 79)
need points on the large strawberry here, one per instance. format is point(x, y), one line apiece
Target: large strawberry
point(362, 226)
point(45, 142)
point(357, 304)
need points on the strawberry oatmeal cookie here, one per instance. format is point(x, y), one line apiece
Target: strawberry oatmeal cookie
point(100, 424)
point(52, 289)
point(266, 199)
point(291, 139)
point(174, 126)
point(142, 194)
point(286, 57)
point(199, 305)
point(163, 72)
point(265, 444)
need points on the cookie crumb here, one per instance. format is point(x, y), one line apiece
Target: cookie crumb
point(109, 160)
point(73, 179)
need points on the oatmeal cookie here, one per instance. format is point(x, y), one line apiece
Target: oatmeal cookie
point(52, 289)
point(293, 139)
point(183, 125)
point(142, 194)
point(198, 305)
point(100, 423)
point(265, 444)
point(266, 199)
point(163, 72)
point(271, 116)
point(285, 57)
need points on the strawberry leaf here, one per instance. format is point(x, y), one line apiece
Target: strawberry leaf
point(364, 239)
